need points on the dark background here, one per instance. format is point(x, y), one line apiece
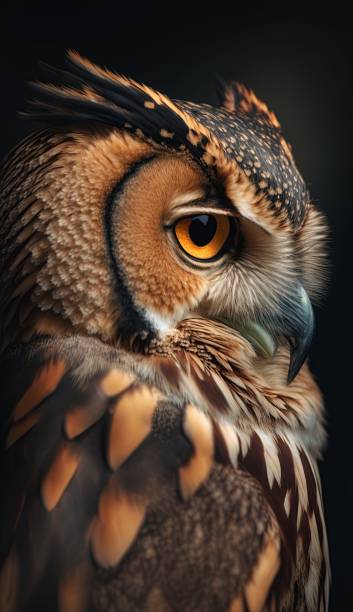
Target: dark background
point(300, 63)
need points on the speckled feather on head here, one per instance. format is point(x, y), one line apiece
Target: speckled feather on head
point(159, 431)
point(243, 132)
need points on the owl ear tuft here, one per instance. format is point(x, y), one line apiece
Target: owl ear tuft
point(235, 97)
point(85, 94)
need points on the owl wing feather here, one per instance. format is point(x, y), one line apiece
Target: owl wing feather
point(116, 496)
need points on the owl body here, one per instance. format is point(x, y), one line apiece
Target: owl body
point(161, 429)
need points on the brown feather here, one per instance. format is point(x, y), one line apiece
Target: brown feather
point(9, 585)
point(198, 429)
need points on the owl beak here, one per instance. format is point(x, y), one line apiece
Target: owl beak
point(295, 323)
point(302, 334)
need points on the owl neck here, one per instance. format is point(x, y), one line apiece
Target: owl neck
point(218, 369)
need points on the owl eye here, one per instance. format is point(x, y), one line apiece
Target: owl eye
point(203, 237)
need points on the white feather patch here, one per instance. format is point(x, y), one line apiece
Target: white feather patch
point(286, 502)
point(273, 466)
point(231, 440)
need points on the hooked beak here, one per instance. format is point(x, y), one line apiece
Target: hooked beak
point(302, 334)
point(295, 323)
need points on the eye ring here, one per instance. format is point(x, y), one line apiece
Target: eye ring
point(204, 237)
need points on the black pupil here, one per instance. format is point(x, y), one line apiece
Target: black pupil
point(202, 229)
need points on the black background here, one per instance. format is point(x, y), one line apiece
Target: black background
point(300, 63)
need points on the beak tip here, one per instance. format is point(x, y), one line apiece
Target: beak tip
point(293, 370)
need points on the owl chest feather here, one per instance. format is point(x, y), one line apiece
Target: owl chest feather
point(275, 433)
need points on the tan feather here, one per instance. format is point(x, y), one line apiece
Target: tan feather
point(21, 428)
point(43, 385)
point(115, 382)
point(73, 589)
point(131, 422)
point(237, 605)
point(59, 476)
point(257, 589)
point(198, 429)
point(116, 526)
point(80, 418)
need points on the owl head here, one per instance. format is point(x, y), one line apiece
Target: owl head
point(130, 212)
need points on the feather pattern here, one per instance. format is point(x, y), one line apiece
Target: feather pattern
point(162, 468)
point(154, 455)
point(158, 442)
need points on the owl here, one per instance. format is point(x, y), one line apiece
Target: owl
point(160, 427)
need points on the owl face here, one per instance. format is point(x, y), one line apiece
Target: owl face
point(133, 212)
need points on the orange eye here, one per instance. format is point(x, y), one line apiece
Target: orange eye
point(203, 236)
